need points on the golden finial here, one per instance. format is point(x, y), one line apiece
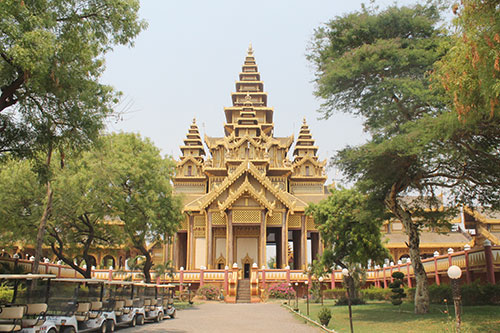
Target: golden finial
point(304, 121)
point(250, 49)
point(194, 121)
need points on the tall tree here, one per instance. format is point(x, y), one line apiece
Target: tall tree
point(80, 221)
point(470, 76)
point(349, 224)
point(51, 59)
point(142, 191)
point(375, 64)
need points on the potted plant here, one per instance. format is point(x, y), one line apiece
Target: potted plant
point(324, 316)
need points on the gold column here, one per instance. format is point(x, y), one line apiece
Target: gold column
point(284, 240)
point(303, 244)
point(190, 245)
point(262, 261)
point(229, 238)
point(209, 240)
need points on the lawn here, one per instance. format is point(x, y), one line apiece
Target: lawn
point(385, 317)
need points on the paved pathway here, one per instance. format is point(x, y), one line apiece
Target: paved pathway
point(220, 317)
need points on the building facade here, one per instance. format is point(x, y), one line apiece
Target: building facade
point(246, 193)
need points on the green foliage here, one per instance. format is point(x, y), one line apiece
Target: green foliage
point(21, 201)
point(51, 58)
point(345, 301)
point(141, 191)
point(271, 263)
point(350, 227)
point(398, 293)
point(6, 293)
point(208, 291)
point(375, 294)
point(334, 293)
point(324, 316)
point(472, 294)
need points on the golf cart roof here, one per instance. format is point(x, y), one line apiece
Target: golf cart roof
point(79, 280)
point(26, 276)
point(165, 285)
point(142, 284)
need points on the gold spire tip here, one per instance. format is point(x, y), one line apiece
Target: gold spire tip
point(250, 49)
point(194, 120)
point(304, 121)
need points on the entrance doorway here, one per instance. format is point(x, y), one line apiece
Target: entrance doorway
point(246, 271)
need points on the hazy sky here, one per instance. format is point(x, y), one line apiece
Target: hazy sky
point(185, 65)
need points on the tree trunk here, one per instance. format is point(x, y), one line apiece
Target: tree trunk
point(353, 294)
point(411, 230)
point(147, 265)
point(41, 229)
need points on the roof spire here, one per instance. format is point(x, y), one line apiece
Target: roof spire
point(250, 49)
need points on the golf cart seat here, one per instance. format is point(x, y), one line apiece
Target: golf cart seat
point(119, 310)
point(34, 315)
point(95, 308)
point(10, 318)
point(82, 312)
point(147, 303)
point(129, 302)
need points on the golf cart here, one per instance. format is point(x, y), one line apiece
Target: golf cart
point(165, 295)
point(75, 305)
point(127, 310)
point(146, 293)
point(23, 304)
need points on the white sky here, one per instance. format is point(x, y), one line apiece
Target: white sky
point(186, 63)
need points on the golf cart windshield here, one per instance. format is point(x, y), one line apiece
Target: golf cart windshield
point(63, 297)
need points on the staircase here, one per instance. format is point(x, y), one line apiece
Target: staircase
point(243, 292)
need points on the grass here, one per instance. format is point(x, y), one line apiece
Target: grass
point(384, 317)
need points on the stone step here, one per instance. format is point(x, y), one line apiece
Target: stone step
point(243, 291)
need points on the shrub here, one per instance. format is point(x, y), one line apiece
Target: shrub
point(6, 294)
point(345, 301)
point(398, 293)
point(324, 316)
point(438, 293)
point(281, 290)
point(377, 294)
point(208, 291)
point(334, 293)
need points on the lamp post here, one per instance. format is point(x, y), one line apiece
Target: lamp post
point(454, 272)
point(296, 297)
point(345, 273)
point(320, 289)
point(189, 293)
point(307, 296)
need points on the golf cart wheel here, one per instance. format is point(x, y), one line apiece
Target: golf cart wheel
point(172, 316)
point(140, 320)
point(69, 330)
point(103, 328)
point(133, 322)
point(52, 330)
point(159, 317)
point(111, 325)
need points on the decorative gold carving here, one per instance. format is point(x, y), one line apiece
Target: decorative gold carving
point(294, 221)
point(247, 231)
point(246, 216)
point(199, 221)
point(184, 224)
point(219, 232)
point(310, 223)
point(199, 232)
point(221, 260)
point(246, 260)
point(275, 219)
point(218, 219)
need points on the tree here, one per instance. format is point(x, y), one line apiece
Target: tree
point(21, 201)
point(350, 227)
point(470, 77)
point(80, 220)
point(376, 65)
point(50, 65)
point(142, 191)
